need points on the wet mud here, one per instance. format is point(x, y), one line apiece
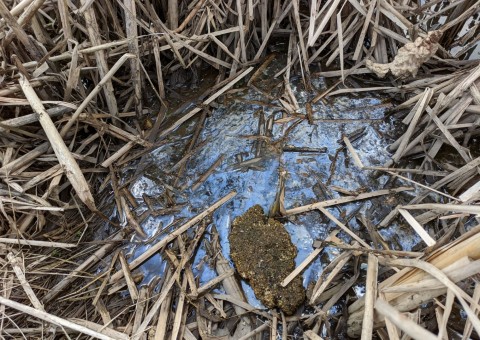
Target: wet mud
point(264, 255)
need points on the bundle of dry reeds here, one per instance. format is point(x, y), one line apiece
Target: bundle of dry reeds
point(75, 77)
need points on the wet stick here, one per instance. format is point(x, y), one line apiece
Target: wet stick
point(207, 173)
point(344, 200)
point(162, 243)
point(311, 257)
point(229, 84)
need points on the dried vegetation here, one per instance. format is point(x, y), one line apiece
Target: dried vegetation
point(74, 78)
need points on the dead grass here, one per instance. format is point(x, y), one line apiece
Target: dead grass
point(73, 79)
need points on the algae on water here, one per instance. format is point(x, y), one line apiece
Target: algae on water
point(264, 255)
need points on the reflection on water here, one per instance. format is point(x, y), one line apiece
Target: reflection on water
point(256, 141)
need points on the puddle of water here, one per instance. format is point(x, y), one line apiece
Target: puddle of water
point(232, 131)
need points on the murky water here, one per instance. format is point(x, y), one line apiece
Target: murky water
point(256, 143)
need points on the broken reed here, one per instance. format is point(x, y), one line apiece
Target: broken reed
point(73, 78)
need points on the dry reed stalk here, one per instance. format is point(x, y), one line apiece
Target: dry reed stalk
point(407, 326)
point(442, 258)
point(97, 256)
point(37, 206)
point(93, 29)
point(163, 317)
point(322, 284)
point(65, 158)
point(370, 297)
point(99, 334)
point(19, 272)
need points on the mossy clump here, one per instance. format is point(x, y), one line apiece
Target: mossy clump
point(264, 255)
